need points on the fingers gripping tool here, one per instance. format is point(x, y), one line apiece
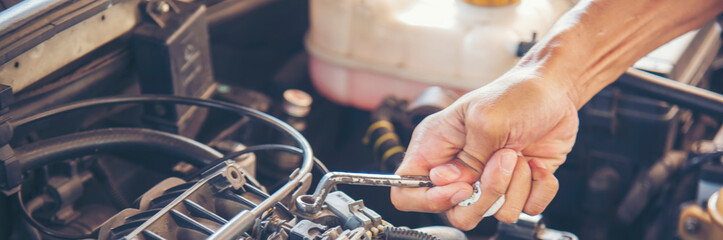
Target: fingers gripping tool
point(312, 203)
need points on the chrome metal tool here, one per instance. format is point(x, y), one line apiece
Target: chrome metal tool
point(312, 203)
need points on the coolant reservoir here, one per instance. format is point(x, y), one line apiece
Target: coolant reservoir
point(364, 50)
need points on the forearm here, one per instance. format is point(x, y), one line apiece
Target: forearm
point(595, 42)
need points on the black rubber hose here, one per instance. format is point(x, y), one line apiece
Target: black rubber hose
point(402, 233)
point(39, 153)
point(224, 106)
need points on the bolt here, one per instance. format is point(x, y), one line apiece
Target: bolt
point(691, 225)
point(162, 7)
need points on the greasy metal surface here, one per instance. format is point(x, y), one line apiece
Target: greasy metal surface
point(245, 219)
point(179, 200)
point(331, 179)
point(58, 43)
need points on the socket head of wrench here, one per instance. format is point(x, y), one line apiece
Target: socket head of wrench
point(307, 204)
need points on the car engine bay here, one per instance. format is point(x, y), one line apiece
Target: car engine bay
point(199, 119)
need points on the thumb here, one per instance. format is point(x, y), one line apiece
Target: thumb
point(435, 150)
point(435, 141)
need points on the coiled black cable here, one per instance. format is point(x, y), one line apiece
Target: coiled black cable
point(78, 144)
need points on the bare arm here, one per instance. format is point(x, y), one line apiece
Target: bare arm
point(597, 41)
point(512, 134)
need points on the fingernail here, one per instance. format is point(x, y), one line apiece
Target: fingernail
point(508, 160)
point(460, 196)
point(448, 172)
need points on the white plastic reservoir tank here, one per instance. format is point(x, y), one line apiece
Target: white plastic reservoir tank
point(364, 50)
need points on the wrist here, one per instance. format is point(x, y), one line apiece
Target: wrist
point(553, 71)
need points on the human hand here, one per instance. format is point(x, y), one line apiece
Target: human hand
point(510, 135)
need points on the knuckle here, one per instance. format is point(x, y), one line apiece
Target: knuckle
point(430, 118)
point(483, 111)
point(478, 108)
